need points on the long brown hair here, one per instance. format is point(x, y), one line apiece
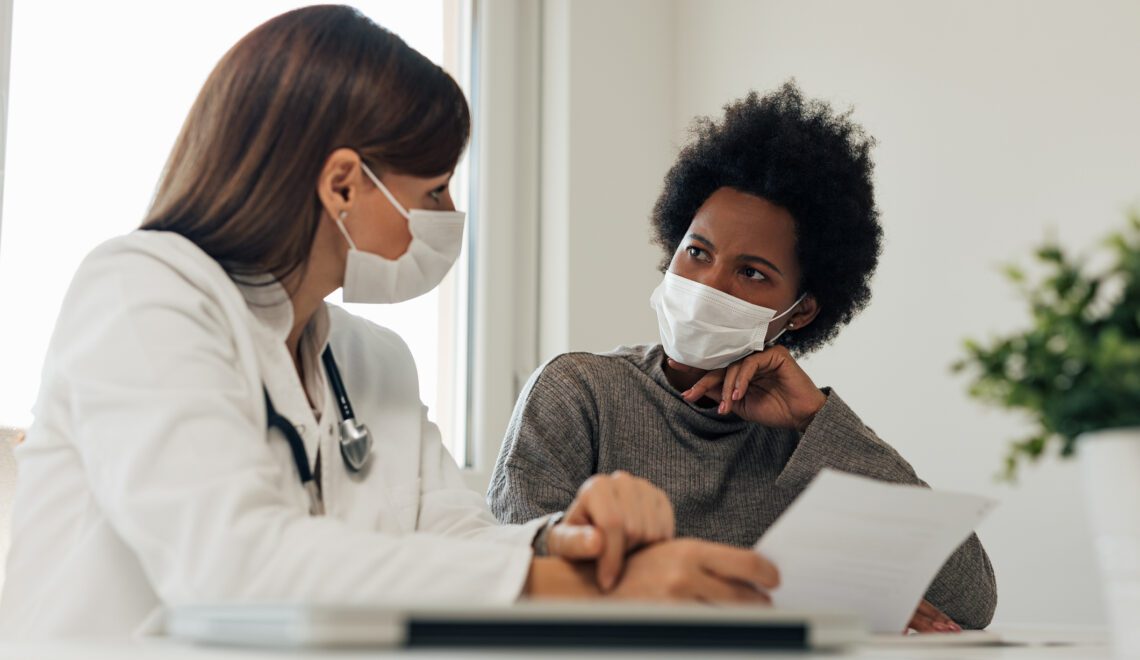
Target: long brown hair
point(241, 180)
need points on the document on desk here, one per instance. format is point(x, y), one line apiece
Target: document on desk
point(850, 543)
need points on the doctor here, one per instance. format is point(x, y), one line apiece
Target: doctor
point(209, 430)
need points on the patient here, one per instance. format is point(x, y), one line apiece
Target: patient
point(770, 233)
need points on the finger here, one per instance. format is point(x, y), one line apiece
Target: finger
point(606, 514)
point(743, 565)
point(924, 624)
point(574, 542)
point(709, 588)
point(936, 616)
point(921, 623)
point(703, 385)
point(756, 391)
point(578, 511)
point(634, 518)
point(926, 608)
point(652, 526)
point(666, 514)
point(726, 388)
point(748, 371)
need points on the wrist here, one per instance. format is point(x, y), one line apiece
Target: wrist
point(542, 538)
point(551, 577)
point(805, 420)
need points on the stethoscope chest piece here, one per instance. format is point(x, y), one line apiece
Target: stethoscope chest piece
point(355, 444)
point(355, 439)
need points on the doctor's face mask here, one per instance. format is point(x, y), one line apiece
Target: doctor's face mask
point(705, 328)
point(437, 237)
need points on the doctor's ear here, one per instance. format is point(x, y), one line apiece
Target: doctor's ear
point(339, 182)
point(805, 313)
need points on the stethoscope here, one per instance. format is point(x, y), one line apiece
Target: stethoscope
point(355, 438)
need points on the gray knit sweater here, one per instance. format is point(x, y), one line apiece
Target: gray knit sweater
point(729, 479)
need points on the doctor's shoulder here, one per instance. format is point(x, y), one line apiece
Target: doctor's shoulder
point(150, 266)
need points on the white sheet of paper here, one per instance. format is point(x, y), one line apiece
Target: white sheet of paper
point(855, 544)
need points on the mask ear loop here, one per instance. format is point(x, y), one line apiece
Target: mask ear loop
point(387, 193)
point(790, 326)
point(340, 218)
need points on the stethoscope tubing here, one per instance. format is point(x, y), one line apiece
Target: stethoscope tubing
point(337, 384)
point(275, 420)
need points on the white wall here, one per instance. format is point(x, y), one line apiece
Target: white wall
point(995, 121)
point(607, 117)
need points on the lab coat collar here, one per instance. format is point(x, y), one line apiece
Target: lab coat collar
point(272, 312)
point(270, 305)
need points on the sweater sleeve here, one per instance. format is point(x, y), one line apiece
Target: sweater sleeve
point(549, 448)
point(965, 588)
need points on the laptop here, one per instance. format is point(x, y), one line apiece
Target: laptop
point(527, 624)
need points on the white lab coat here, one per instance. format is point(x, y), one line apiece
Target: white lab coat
point(149, 476)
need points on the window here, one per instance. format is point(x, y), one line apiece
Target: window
point(95, 105)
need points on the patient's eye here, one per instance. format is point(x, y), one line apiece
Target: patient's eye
point(753, 274)
point(697, 253)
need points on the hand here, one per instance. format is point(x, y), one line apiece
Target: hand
point(612, 515)
point(689, 569)
point(928, 618)
point(768, 387)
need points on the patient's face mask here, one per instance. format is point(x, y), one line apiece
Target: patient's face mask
point(706, 328)
point(437, 237)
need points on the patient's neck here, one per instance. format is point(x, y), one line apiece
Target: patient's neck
point(683, 379)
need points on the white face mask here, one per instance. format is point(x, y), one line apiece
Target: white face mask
point(706, 328)
point(437, 237)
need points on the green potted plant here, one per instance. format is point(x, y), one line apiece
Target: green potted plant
point(1076, 372)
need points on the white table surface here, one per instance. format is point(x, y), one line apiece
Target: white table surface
point(1020, 642)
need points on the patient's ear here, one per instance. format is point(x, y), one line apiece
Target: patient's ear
point(805, 313)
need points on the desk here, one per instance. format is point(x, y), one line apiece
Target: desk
point(1028, 642)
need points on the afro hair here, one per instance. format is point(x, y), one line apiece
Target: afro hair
point(799, 154)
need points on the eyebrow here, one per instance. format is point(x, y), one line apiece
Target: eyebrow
point(747, 257)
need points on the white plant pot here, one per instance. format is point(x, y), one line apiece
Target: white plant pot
point(1110, 467)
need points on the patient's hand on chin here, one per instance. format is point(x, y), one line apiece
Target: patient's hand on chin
point(766, 387)
point(694, 570)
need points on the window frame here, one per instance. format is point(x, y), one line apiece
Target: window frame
point(5, 67)
point(503, 277)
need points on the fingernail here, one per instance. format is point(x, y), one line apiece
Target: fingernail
point(736, 395)
point(955, 627)
point(720, 408)
point(607, 582)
